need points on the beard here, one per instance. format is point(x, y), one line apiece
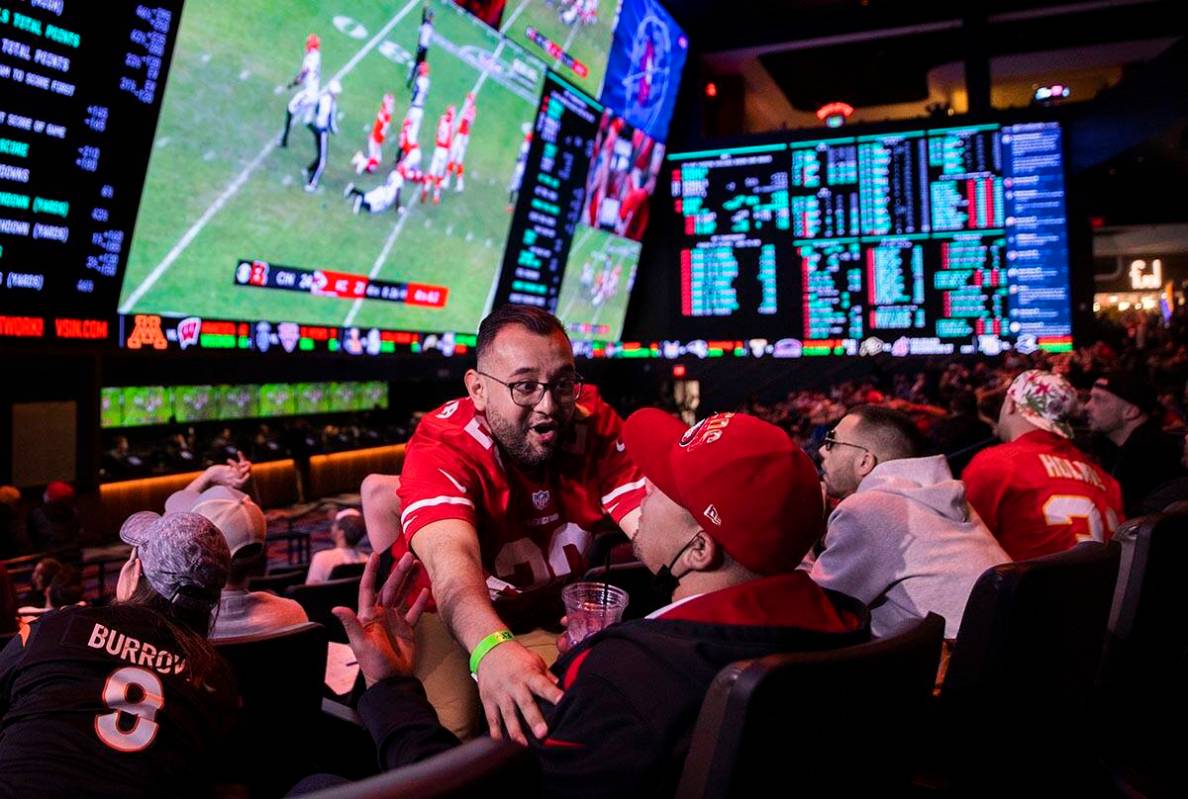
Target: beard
point(520, 441)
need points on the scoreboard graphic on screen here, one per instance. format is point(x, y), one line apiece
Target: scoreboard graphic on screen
point(917, 242)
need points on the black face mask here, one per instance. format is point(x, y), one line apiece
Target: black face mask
point(664, 582)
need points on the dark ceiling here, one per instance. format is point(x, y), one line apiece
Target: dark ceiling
point(718, 25)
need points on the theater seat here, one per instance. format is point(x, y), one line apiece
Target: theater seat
point(277, 582)
point(318, 600)
point(1022, 670)
point(481, 769)
point(837, 723)
point(345, 570)
point(280, 677)
point(1141, 688)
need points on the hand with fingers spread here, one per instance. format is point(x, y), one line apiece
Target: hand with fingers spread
point(510, 677)
point(381, 634)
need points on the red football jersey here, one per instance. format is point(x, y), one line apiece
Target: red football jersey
point(379, 129)
point(533, 533)
point(1039, 494)
point(468, 112)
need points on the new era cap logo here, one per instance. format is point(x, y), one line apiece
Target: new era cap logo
point(711, 513)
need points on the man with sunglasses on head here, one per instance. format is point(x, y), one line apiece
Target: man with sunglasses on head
point(903, 539)
point(500, 496)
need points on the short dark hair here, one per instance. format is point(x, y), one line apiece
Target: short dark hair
point(352, 528)
point(536, 320)
point(891, 434)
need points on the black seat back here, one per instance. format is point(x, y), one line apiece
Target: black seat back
point(1023, 668)
point(280, 677)
point(758, 712)
point(344, 570)
point(318, 600)
point(277, 582)
point(1141, 688)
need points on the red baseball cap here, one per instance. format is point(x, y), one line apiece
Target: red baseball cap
point(59, 491)
point(745, 481)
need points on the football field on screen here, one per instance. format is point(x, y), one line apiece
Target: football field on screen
point(219, 189)
point(588, 42)
point(597, 284)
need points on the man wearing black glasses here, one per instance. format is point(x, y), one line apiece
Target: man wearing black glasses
point(904, 540)
point(500, 495)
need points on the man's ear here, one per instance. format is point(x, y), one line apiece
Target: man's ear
point(704, 554)
point(866, 463)
point(476, 390)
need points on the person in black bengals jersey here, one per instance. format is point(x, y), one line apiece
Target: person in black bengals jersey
point(128, 699)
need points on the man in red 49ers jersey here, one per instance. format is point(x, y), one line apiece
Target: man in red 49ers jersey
point(499, 497)
point(1037, 492)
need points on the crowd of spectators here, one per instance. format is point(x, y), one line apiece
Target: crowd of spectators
point(956, 403)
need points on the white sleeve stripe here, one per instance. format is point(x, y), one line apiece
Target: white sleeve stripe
point(425, 503)
point(451, 478)
point(623, 489)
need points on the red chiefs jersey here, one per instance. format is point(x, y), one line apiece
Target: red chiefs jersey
point(1039, 494)
point(466, 120)
point(533, 533)
point(379, 130)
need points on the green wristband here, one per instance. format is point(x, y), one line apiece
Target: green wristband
point(486, 645)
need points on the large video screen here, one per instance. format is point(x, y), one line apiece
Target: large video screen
point(949, 240)
point(644, 71)
point(138, 406)
point(308, 166)
point(574, 37)
point(583, 199)
point(313, 177)
point(80, 89)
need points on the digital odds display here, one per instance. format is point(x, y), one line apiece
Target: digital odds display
point(922, 242)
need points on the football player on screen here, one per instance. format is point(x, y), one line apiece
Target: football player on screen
point(461, 139)
point(416, 106)
point(387, 194)
point(441, 153)
point(309, 77)
point(375, 140)
point(325, 122)
point(513, 188)
point(424, 37)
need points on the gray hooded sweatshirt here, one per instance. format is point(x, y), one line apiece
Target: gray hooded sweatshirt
point(907, 543)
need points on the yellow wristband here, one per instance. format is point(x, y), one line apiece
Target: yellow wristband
point(486, 645)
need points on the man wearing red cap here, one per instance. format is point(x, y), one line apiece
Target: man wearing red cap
point(732, 506)
point(56, 524)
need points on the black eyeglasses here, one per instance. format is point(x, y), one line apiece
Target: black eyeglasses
point(529, 393)
point(830, 442)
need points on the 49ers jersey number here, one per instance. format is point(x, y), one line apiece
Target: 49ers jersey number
point(568, 543)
